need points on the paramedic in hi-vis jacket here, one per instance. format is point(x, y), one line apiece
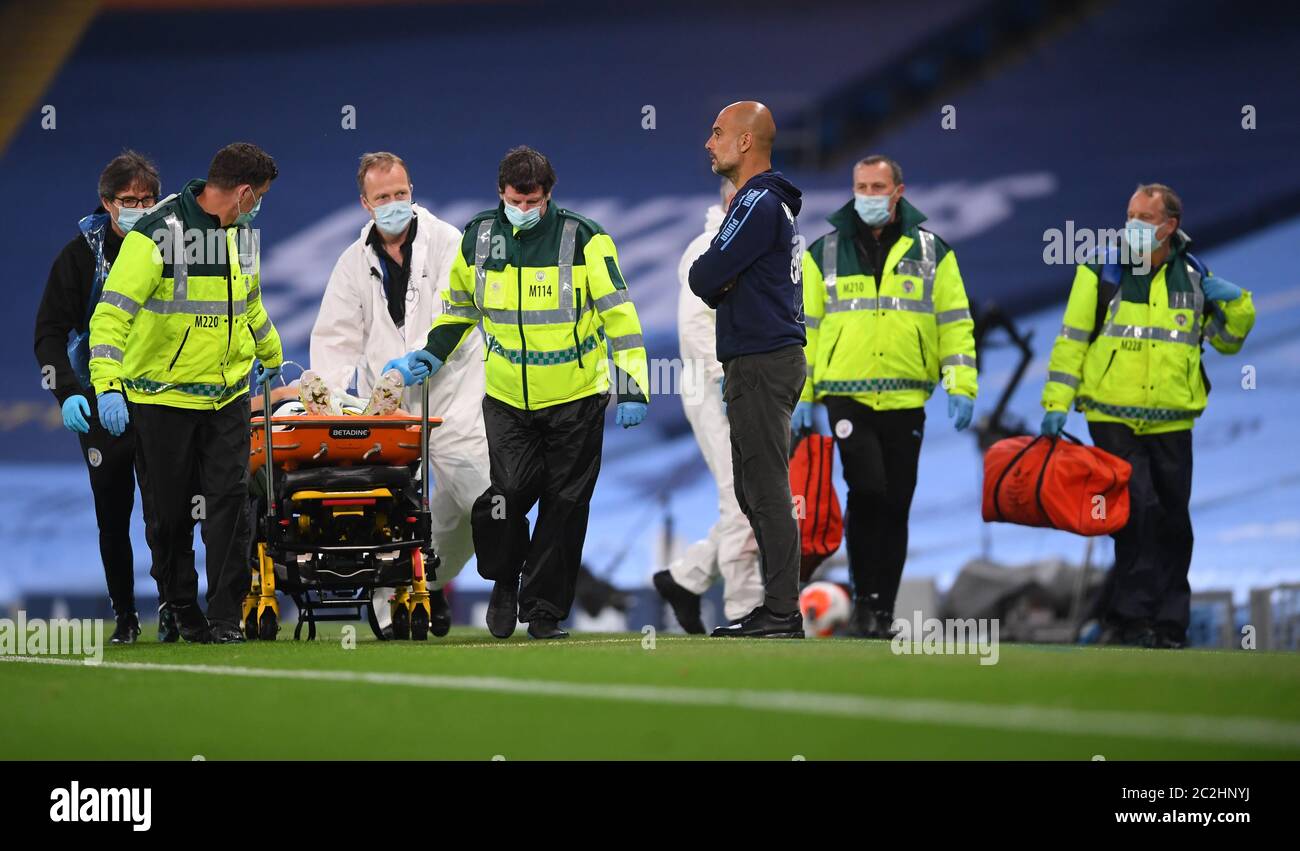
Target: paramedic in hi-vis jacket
point(379, 304)
point(730, 552)
point(1129, 357)
point(888, 320)
point(174, 334)
point(545, 283)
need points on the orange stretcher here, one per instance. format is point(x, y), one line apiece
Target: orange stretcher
point(313, 440)
point(343, 514)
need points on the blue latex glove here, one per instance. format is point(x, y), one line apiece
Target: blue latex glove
point(630, 414)
point(722, 388)
point(75, 411)
point(960, 411)
point(1053, 423)
point(414, 366)
point(112, 412)
point(1217, 289)
point(803, 417)
point(266, 374)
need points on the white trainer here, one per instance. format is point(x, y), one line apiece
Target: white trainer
point(386, 396)
point(315, 395)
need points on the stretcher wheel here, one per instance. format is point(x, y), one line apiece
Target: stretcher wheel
point(419, 624)
point(250, 625)
point(267, 626)
point(401, 623)
point(374, 622)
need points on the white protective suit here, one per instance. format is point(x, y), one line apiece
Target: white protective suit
point(354, 334)
point(730, 551)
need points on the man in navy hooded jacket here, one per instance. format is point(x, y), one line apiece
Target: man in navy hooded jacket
point(752, 275)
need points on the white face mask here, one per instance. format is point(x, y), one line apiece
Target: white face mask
point(873, 209)
point(1141, 236)
point(523, 219)
point(393, 217)
point(128, 216)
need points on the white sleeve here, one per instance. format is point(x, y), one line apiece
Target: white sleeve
point(696, 320)
point(338, 337)
point(446, 243)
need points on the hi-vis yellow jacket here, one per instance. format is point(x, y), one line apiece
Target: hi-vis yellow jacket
point(181, 315)
point(554, 306)
point(888, 343)
point(1144, 366)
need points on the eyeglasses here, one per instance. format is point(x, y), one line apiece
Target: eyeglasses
point(130, 202)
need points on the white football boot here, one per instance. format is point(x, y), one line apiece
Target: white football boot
point(315, 395)
point(386, 395)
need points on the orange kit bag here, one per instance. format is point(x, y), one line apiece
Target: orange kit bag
point(821, 528)
point(1045, 481)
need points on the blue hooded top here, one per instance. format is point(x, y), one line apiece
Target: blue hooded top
point(752, 272)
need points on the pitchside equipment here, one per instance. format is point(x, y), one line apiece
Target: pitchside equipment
point(1047, 481)
point(821, 525)
point(344, 515)
point(825, 607)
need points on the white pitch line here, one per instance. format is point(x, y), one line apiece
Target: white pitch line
point(1245, 730)
point(568, 642)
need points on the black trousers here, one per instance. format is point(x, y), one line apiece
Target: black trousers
point(1153, 552)
point(549, 458)
point(111, 463)
point(761, 392)
point(880, 451)
point(188, 454)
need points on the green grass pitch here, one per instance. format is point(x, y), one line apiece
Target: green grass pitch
point(607, 696)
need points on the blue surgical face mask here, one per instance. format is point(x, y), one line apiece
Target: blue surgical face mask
point(872, 209)
point(247, 218)
point(393, 217)
point(521, 219)
point(1141, 236)
point(128, 216)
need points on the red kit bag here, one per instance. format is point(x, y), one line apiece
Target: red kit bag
point(1045, 481)
point(821, 528)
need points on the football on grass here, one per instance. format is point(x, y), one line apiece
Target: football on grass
point(825, 608)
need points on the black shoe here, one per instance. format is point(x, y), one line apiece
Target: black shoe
point(127, 629)
point(1170, 637)
point(871, 623)
point(763, 623)
point(884, 625)
point(1128, 634)
point(686, 605)
point(225, 633)
point(862, 623)
point(503, 609)
point(439, 614)
point(1144, 637)
point(167, 631)
point(544, 627)
point(191, 623)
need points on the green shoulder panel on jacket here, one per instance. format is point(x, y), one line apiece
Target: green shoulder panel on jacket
point(155, 221)
point(587, 230)
point(469, 234)
point(816, 249)
point(586, 227)
point(941, 248)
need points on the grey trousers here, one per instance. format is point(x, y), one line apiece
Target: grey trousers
point(761, 392)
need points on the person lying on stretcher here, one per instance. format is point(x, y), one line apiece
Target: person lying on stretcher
point(313, 396)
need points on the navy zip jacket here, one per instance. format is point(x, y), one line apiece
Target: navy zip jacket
point(752, 272)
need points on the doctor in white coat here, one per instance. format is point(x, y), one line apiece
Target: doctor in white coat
point(730, 552)
point(379, 304)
